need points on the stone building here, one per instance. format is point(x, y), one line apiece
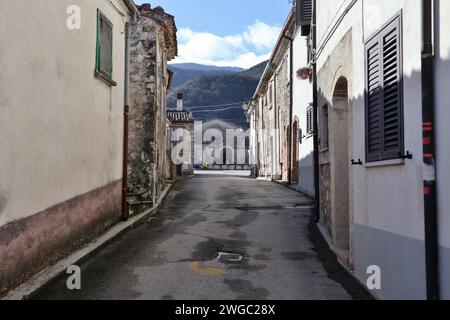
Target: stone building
point(225, 146)
point(270, 112)
point(181, 129)
point(62, 98)
point(153, 44)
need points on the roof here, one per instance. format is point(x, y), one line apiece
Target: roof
point(130, 5)
point(176, 116)
point(282, 43)
point(167, 22)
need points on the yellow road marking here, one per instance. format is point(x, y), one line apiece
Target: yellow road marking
point(206, 271)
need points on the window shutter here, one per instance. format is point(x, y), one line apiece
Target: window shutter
point(104, 61)
point(304, 15)
point(392, 93)
point(373, 99)
point(384, 130)
point(309, 121)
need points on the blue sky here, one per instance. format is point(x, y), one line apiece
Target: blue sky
point(238, 33)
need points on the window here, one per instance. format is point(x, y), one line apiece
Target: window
point(104, 52)
point(324, 144)
point(384, 105)
point(304, 10)
point(270, 95)
point(309, 120)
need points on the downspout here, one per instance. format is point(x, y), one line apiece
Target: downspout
point(315, 117)
point(276, 125)
point(255, 121)
point(429, 153)
point(291, 105)
point(125, 211)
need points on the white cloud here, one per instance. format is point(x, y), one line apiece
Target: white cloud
point(261, 35)
point(241, 50)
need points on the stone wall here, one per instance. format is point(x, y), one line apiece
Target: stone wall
point(334, 82)
point(153, 43)
point(325, 196)
point(143, 101)
point(283, 108)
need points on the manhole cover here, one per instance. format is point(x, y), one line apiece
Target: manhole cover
point(229, 257)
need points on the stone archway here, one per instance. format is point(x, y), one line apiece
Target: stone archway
point(339, 160)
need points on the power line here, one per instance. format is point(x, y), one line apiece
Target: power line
point(219, 105)
point(216, 110)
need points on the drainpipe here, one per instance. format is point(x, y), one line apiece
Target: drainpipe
point(429, 153)
point(315, 117)
point(276, 125)
point(291, 105)
point(255, 121)
point(125, 211)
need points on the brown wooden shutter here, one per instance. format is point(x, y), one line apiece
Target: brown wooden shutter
point(304, 15)
point(384, 130)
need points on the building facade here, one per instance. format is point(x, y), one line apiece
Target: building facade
point(62, 141)
point(181, 130)
point(378, 173)
point(302, 100)
point(270, 110)
point(369, 98)
point(281, 145)
point(153, 44)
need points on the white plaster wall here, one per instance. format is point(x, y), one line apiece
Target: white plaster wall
point(386, 201)
point(302, 96)
point(442, 122)
point(388, 198)
point(61, 128)
point(394, 199)
point(442, 117)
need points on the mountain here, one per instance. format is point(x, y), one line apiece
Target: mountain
point(185, 72)
point(202, 67)
point(220, 96)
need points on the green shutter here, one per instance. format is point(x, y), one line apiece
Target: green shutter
point(104, 46)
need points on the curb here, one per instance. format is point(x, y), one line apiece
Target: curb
point(26, 290)
point(337, 270)
point(286, 185)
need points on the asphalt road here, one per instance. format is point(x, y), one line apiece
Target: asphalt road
point(181, 252)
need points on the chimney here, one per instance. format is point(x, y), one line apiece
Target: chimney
point(180, 102)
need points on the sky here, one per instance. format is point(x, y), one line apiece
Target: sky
point(236, 33)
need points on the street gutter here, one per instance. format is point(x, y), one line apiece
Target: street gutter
point(335, 269)
point(28, 289)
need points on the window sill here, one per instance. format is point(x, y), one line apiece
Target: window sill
point(101, 76)
point(385, 163)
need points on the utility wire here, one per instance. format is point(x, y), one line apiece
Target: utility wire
point(215, 110)
point(219, 105)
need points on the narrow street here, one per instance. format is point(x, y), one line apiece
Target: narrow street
point(180, 253)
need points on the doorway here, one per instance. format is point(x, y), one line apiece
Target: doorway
point(339, 159)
